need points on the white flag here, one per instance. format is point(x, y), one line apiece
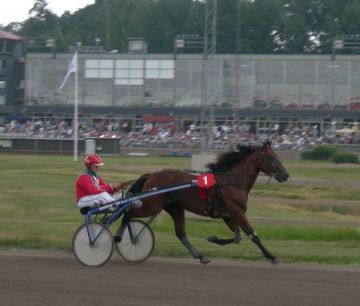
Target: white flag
point(72, 68)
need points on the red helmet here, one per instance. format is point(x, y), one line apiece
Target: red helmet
point(93, 159)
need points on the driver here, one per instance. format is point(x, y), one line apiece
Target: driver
point(91, 190)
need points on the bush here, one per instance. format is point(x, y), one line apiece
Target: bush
point(321, 152)
point(345, 157)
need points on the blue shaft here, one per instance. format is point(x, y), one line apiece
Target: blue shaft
point(142, 195)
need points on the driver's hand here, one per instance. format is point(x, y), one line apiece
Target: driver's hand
point(120, 186)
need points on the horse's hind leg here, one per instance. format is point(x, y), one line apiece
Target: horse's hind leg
point(120, 230)
point(234, 227)
point(246, 227)
point(178, 216)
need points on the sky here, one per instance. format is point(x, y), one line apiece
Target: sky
point(18, 10)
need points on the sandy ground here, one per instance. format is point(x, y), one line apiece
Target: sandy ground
point(45, 278)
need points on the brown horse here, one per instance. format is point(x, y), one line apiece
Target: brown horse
point(235, 174)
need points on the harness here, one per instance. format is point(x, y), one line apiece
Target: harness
point(206, 182)
point(232, 179)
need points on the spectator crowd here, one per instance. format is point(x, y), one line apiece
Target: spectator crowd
point(295, 135)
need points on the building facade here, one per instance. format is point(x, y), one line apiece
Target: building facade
point(236, 81)
point(11, 68)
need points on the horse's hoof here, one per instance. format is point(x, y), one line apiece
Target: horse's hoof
point(204, 260)
point(212, 239)
point(275, 261)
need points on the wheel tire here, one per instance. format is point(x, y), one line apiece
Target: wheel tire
point(92, 255)
point(142, 248)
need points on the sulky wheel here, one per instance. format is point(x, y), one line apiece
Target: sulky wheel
point(137, 241)
point(96, 253)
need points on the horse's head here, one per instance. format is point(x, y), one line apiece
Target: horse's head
point(270, 164)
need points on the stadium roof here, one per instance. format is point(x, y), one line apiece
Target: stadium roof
point(10, 36)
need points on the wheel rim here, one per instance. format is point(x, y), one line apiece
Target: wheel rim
point(96, 254)
point(139, 250)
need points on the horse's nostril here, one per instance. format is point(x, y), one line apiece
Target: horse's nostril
point(282, 177)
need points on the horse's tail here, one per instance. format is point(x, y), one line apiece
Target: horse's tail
point(137, 186)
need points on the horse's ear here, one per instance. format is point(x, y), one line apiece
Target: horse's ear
point(267, 143)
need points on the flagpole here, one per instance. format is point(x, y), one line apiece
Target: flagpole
point(73, 68)
point(76, 111)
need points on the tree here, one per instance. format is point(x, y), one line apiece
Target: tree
point(250, 26)
point(39, 9)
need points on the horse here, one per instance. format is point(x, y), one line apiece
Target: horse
point(235, 173)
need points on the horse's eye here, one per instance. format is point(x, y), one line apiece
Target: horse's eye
point(273, 158)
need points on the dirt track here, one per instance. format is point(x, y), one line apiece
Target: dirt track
point(42, 278)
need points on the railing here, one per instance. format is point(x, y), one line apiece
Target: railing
point(115, 146)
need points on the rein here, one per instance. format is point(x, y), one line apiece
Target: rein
point(127, 183)
point(269, 160)
point(235, 173)
point(270, 175)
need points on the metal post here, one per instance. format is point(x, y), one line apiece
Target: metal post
point(209, 65)
point(237, 50)
point(333, 64)
point(76, 107)
point(174, 79)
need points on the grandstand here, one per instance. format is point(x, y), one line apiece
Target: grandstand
point(286, 82)
point(259, 91)
point(280, 86)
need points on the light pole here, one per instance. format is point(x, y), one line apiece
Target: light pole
point(237, 51)
point(178, 43)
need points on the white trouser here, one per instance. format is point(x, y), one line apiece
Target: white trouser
point(96, 199)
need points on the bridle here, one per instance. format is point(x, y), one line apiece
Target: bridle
point(270, 162)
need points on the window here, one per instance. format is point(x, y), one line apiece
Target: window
point(129, 72)
point(159, 69)
point(102, 69)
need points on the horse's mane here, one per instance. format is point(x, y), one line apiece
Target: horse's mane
point(228, 160)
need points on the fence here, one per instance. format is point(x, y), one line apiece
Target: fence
point(59, 146)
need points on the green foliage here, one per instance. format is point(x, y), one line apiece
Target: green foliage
point(271, 26)
point(321, 152)
point(345, 157)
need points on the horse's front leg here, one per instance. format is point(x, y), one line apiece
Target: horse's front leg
point(233, 227)
point(246, 227)
point(178, 216)
point(255, 238)
point(229, 195)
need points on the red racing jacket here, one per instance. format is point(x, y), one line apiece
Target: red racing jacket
point(87, 184)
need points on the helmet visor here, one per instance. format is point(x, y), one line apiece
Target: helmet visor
point(101, 164)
